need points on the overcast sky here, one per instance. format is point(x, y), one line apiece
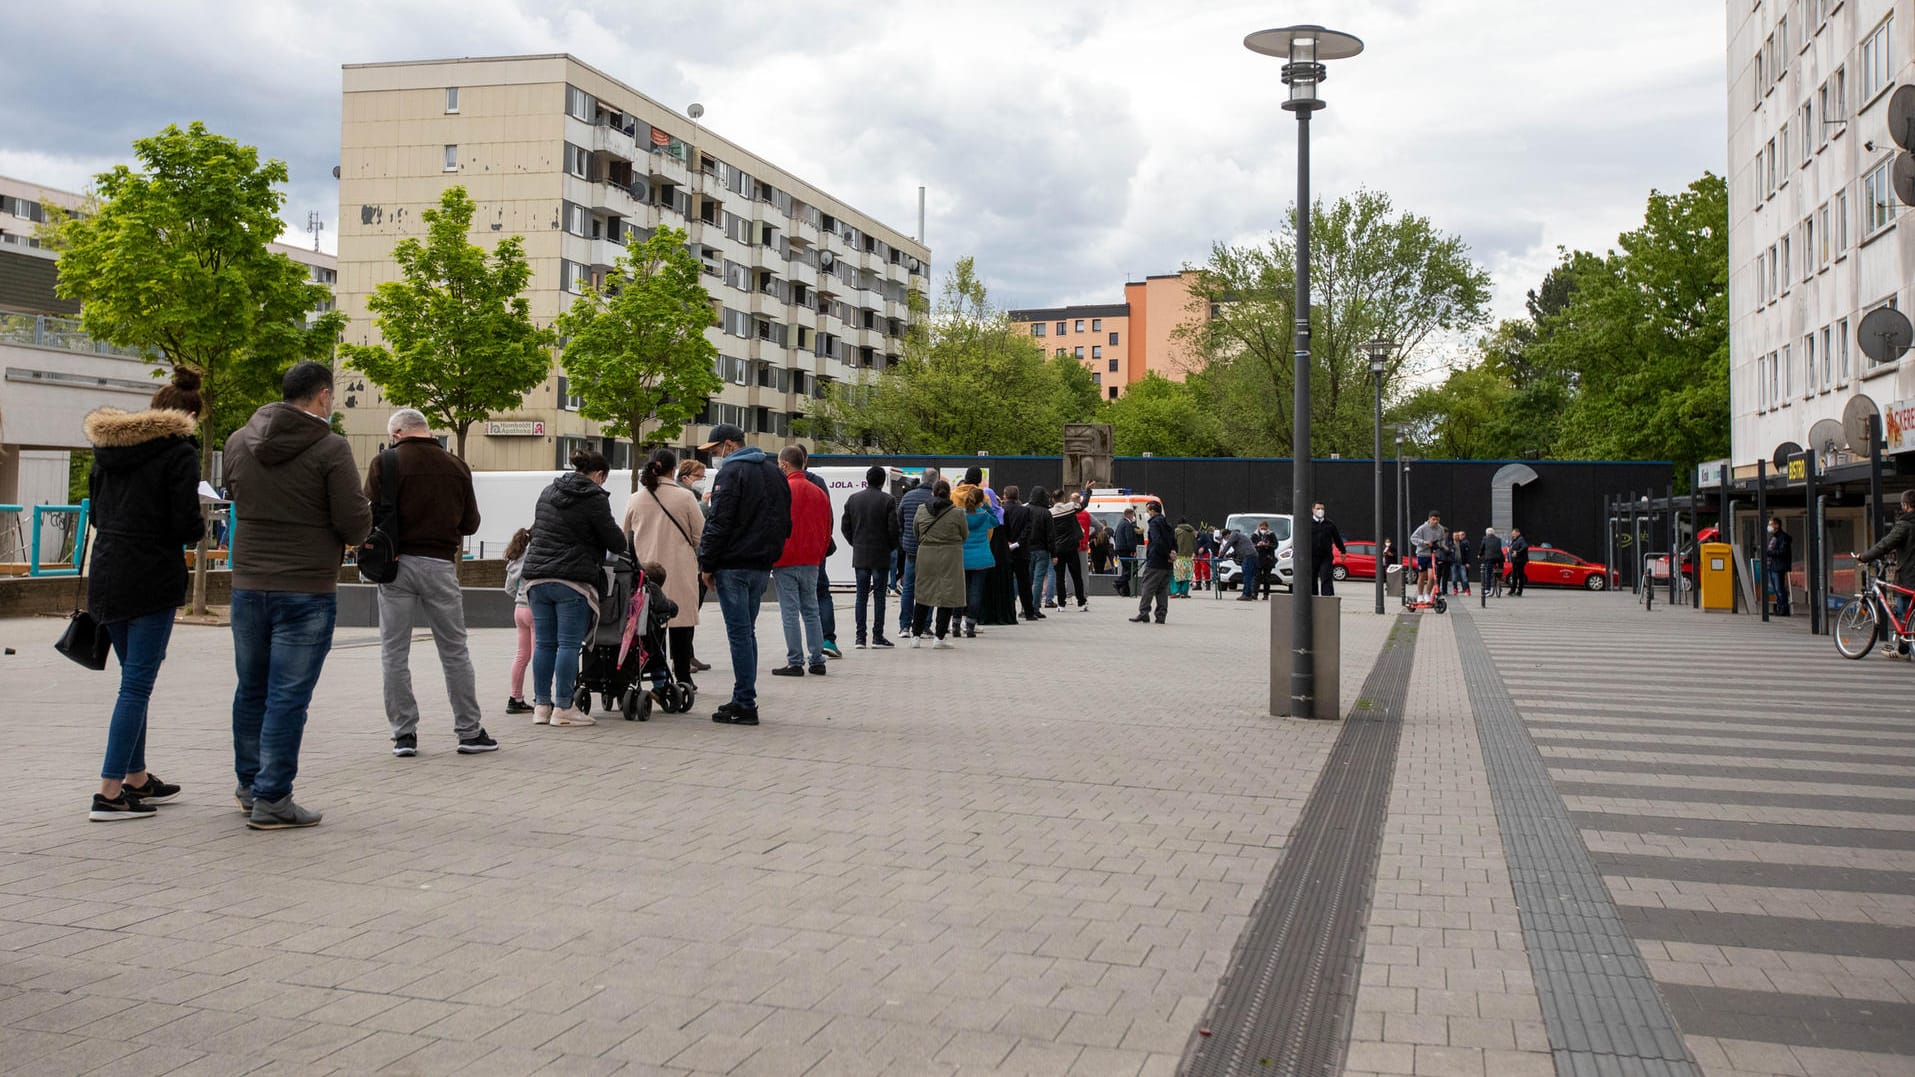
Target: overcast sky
point(1068, 144)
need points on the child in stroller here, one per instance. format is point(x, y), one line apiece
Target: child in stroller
point(628, 647)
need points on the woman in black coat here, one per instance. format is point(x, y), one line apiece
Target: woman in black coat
point(144, 503)
point(572, 531)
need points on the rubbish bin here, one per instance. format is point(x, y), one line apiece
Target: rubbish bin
point(1393, 581)
point(1715, 571)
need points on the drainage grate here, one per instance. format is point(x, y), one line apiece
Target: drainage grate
point(1600, 1005)
point(1285, 1005)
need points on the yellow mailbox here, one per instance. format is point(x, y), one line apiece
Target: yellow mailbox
point(1716, 575)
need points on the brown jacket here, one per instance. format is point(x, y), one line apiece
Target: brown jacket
point(296, 502)
point(437, 507)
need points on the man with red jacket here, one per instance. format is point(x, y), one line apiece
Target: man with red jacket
point(796, 573)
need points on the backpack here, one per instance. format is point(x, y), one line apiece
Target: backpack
point(378, 556)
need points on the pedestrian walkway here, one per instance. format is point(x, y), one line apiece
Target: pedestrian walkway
point(1615, 841)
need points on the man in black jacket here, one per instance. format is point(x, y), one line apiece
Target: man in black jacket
point(1125, 540)
point(1778, 557)
point(744, 536)
point(1899, 543)
point(1034, 539)
point(1159, 547)
point(1017, 520)
point(871, 526)
point(908, 505)
point(1518, 562)
point(1324, 537)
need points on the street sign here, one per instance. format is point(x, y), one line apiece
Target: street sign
point(515, 428)
point(1711, 474)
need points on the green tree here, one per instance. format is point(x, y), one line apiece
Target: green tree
point(1375, 272)
point(636, 351)
point(462, 343)
point(171, 259)
point(1642, 337)
point(1164, 417)
point(969, 381)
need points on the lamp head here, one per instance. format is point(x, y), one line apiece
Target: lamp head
point(1303, 48)
point(1379, 353)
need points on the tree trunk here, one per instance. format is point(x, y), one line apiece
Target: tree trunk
point(460, 430)
point(632, 426)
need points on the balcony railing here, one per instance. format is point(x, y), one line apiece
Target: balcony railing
point(63, 334)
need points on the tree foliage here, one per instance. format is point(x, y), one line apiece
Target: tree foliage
point(171, 259)
point(460, 342)
point(969, 381)
point(1163, 417)
point(1375, 273)
point(636, 351)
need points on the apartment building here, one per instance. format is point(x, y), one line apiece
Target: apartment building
point(1817, 238)
point(807, 289)
point(1121, 343)
point(27, 272)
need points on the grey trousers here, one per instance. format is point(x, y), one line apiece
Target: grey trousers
point(429, 588)
point(1155, 585)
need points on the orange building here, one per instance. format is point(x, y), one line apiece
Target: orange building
point(1120, 343)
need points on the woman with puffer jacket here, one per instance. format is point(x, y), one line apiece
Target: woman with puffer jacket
point(564, 569)
point(145, 504)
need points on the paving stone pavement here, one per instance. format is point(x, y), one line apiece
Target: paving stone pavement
point(1031, 854)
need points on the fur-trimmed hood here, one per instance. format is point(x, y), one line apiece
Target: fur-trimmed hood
point(124, 440)
point(113, 428)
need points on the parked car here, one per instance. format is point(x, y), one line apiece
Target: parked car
point(1228, 571)
point(1356, 560)
point(1280, 525)
point(1560, 568)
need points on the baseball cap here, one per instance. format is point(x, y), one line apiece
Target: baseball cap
point(721, 433)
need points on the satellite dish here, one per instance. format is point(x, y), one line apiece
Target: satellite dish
point(697, 110)
point(825, 259)
point(1884, 334)
point(1901, 117)
point(1901, 177)
point(1828, 437)
point(1782, 454)
point(1855, 417)
point(335, 172)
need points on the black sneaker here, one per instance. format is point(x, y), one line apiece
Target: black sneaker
point(743, 716)
point(154, 791)
point(818, 670)
point(120, 808)
point(514, 705)
point(723, 713)
point(405, 746)
point(243, 796)
point(882, 642)
point(860, 645)
point(791, 671)
point(477, 743)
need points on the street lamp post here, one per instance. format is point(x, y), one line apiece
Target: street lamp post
point(1303, 48)
point(1379, 352)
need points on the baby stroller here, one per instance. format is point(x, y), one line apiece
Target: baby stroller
point(626, 648)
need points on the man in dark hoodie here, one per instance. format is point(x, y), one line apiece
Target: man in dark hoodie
point(744, 536)
point(297, 500)
point(870, 525)
point(908, 505)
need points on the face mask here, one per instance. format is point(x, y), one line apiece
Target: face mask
point(702, 484)
point(1318, 515)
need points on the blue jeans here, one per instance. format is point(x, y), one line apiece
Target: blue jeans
point(974, 592)
point(907, 593)
point(1459, 576)
point(798, 609)
point(871, 583)
point(1040, 576)
point(827, 616)
point(280, 642)
point(140, 645)
point(1779, 589)
point(740, 590)
point(560, 618)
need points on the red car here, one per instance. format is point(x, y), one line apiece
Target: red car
point(1358, 560)
point(1548, 565)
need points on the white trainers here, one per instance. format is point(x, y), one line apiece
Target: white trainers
point(941, 645)
point(569, 716)
point(916, 643)
point(541, 714)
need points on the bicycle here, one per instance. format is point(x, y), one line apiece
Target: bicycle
point(1492, 580)
point(1861, 620)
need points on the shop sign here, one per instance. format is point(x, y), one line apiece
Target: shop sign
point(1898, 426)
point(516, 428)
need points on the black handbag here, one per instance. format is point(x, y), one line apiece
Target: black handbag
point(378, 556)
point(85, 640)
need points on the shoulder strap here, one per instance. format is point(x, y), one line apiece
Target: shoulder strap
point(389, 489)
point(682, 533)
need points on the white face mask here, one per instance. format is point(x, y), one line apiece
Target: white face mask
point(702, 483)
point(1317, 515)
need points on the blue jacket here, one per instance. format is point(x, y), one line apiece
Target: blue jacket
point(1161, 543)
point(750, 514)
point(977, 544)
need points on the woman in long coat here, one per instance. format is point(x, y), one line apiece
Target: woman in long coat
point(666, 523)
point(941, 532)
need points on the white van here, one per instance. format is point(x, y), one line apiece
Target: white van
point(1280, 525)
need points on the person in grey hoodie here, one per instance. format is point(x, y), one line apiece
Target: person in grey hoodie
point(296, 498)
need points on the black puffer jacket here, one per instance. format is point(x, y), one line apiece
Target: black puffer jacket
point(750, 515)
point(1066, 532)
point(1899, 543)
point(1036, 534)
point(145, 505)
point(572, 531)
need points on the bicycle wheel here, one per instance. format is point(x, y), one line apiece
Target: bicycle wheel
point(1855, 628)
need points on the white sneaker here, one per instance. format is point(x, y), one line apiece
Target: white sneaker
point(941, 645)
point(916, 642)
point(542, 714)
point(568, 716)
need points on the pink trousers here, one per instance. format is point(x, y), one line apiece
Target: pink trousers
point(522, 619)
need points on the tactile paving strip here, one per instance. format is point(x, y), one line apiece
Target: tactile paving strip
point(1600, 1005)
point(1285, 1005)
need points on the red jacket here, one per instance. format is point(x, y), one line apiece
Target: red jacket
point(1084, 526)
point(810, 523)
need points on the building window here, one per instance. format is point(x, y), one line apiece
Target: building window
point(1060, 353)
point(1037, 329)
point(1837, 109)
point(1775, 287)
point(1060, 328)
point(1761, 384)
point(1841, 222)
point(1768, 169)
point(1782, 147)
point(1113, 340)
point(1761, 279)
point(567, 402)
point(1097, 351)
point(1828, 359)
point(1808, 247)
point(1811, 374)
point(1874, 59)
point(1786, 263)
point(452, 159)
point(1113, 392)
point(1842, 351)
point(1825, 245)
point(1078, 351)
point(571, 277)
point(1878, 201)
point(1113, 366)
point(452, 100)
point(1079, 326)
point(1805, 123)
point(580, 105)
point(1761, 80)
point(1788, 374)
point(1097, 325)
point(577, 162)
